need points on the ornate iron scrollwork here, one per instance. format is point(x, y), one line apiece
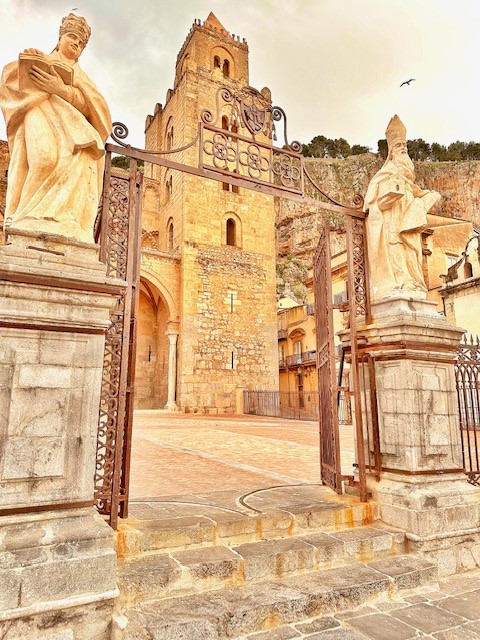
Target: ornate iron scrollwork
point(474, 478)
point(221, 151)
point(359, 274)
point(116, 262)
point(236, 137)
point(252, 110)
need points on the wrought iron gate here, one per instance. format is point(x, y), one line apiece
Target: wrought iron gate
point(330, 466)
point(249, 160)
point(357, 307)
point(119, 236)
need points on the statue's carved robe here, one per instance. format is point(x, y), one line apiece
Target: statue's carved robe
point(57, 155)
point(397, 216)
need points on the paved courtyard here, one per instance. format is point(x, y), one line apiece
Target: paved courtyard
point(177, 454)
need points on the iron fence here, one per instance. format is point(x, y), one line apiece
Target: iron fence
point(293, 405)
point(467, 375)
point(369, 408)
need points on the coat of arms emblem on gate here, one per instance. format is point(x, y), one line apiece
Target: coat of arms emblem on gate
point(254, 112)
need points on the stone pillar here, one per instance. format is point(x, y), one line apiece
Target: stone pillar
point(57, 576)
point(423, 488)
point(172, 335)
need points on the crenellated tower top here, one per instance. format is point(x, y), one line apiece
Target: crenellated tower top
point(198, 51)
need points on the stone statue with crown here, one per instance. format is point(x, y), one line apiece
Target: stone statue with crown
point(397, 216)
point(55, 305)
point(57, 125)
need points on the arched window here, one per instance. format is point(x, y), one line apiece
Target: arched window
point(168, 188)
point(170, 139)
point(231, 232)
point(468, 270)
point(169, 134)
point(216, 62)
point(170, 235)
point(226, 69)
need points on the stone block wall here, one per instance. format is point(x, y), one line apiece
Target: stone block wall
point(229, 338)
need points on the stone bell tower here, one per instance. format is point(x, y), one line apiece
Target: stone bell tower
point(224, 237)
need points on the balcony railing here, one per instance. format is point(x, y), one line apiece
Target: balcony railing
point(309, 356)
point(282, 334)
point(295, 360)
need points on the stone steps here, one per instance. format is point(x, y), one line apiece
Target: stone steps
point(269, 604)
point(227, 527)
point(156, 575)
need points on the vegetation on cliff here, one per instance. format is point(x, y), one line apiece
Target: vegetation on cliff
point(419, 150)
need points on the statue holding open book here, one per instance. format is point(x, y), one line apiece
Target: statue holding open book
point(57, 125)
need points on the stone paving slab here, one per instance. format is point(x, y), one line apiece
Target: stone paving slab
point(464, 604)
point(428, 618)
point(427, 613)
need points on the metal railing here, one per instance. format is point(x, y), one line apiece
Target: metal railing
point(309, 357)
point(369, 418)
point(295, 360)
point(282, 334)
point(294, 405)
point(467, 376)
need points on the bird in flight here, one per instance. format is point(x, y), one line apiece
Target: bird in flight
point(407, 81)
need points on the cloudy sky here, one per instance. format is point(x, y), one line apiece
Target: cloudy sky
point(335, 66)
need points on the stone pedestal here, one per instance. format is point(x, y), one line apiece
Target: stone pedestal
point(423, 489)
point(57, 568)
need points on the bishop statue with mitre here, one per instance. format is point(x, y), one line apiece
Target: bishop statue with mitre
point(397, 216)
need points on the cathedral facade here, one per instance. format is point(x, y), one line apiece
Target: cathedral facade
point(207, 320)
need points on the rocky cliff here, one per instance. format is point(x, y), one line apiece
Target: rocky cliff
point(298, 225)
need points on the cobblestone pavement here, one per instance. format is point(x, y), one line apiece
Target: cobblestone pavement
point(451, 612)
point(175, 454)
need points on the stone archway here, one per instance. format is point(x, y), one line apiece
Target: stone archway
point(154, 354)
